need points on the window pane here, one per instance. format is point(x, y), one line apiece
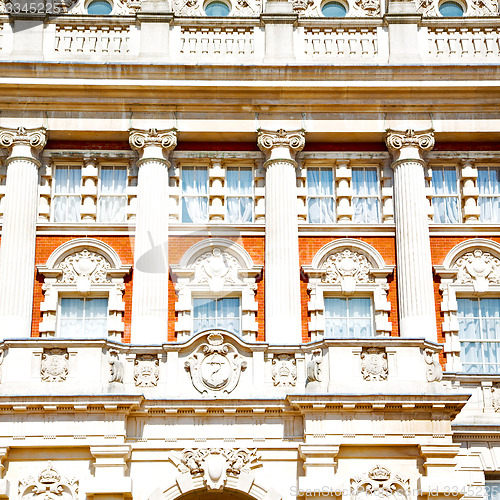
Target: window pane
point(83, 318)
point(66, 201)
point(348, 318)
point(365, 196)
point(445, 200)
point(194, 191)
point(488, 182)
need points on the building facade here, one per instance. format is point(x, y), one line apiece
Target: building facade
point(249, 249)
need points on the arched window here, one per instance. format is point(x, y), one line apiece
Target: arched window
point(83, 283)
point(348, 290)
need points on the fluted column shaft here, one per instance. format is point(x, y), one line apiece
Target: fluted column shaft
point(150, 286)
point(17, 250)
point(417, 317)
point(282, 270)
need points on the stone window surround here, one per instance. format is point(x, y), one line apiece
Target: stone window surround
point(343, 191)
point(480, 286)
point(90, 165)
point(468, 190)
point(189, 285)
point(376, 287)
point(216, 187)
point(54, 289)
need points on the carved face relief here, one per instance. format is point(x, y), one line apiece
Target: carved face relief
point(215, 366)
point(347, 268)
point(54, 365)
point(214, 465)
point(49, 485)
point(374, 364)
point(84, 268)
point(478, 268)
point(284, 370)
point(146, 370)
point(380, 483)
point(216, 268)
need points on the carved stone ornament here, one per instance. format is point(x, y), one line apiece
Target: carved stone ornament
point(216, 268)
point(139, 139)
point(380, 483)
point(434, 371)
point(284, 370)
point(35, 137)
point(215, 366)
point(242, 8)
point(146, 370)
point(423, 140)
point(83, 269)
point(479, 269)
point(115, 367)
point(374, 364)
point(294, 140)
point(314, 366)
point(495, 398)
point(347, 268)
point(429, 8)
point(48, 485)
point(55, 365)
point(215, 465)
point(371, 8)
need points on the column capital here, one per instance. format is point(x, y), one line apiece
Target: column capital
point(153, 144)
point(281, 145)
point(23, 142)
point(408, 145)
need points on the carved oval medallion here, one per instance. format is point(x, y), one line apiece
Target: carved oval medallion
point(215, 371)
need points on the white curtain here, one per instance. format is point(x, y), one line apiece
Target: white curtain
point(194, 194)
point(348, 318)
point(113, 199)
point(320, 191)
point(365, 195)
point(488, 181)
point(445, 200)
point(83, 318)
point(67, 194)
point(216, 313)
point(479, 330)
point(239, 195)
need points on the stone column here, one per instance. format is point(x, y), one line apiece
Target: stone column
point(282, 271)
point(417, 317)
point(150, 285)
point(17, 249)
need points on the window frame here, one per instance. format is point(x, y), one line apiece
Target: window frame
point(230, 295)
point(458, 196)
point(378, 197)
point(333, 197)
point(99, 194)
point(480, 167)
point(348, 298)
point(226, 196)
point(67, 165)
point(85, 298)
point(195, 166)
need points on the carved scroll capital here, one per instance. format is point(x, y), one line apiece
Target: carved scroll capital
point(35, 138)
point(281, 145)
point(409, 145)
point(153, 144)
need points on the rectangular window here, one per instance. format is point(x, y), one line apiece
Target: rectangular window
point(320, 196)
point(66, 200)
point(112, 194)
point(366, 195)
point(239, 195)
point(348, 318)
point(83, 318)
point(479, 334)
point(194, 185)
point(445, 199)
point(217, 313)
point(488, 182)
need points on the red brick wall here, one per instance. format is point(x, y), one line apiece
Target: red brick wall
point(45, 245)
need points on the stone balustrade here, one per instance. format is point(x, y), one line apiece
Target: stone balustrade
point(218, 365)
